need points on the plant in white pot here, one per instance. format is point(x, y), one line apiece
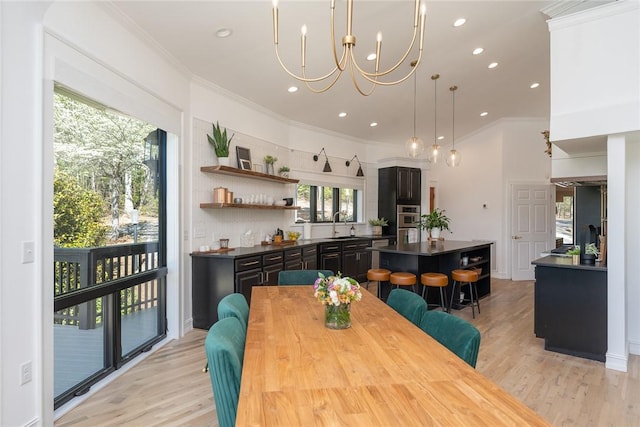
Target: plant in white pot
point(284, 171)
point(434, 222)
point(377, 224)
point(221, 144)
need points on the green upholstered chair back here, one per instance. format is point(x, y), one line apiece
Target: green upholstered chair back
point(458, 335)
point(224, 347)
point(234, 305)
point(409, 304)
point(301, 277)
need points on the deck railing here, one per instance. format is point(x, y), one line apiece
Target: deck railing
point(80, 268)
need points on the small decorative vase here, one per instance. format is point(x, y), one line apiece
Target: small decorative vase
point(223, 161)
point(376, 230)
point(269, 168)
point(337, 316)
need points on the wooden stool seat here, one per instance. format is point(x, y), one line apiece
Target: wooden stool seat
point(436, 280)
point(401, 278)
point(379, 275)
point(466, 278)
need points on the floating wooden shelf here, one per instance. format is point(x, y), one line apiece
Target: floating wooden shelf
point(227, 170)
point(245, 206)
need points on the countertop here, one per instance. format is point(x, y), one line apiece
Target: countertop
point(431, 248)
point(260, 249)
point(567, 262)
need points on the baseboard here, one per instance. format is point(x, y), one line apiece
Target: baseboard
point(617, 362)
point(634, 347)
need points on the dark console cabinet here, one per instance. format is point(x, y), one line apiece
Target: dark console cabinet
point(399, 185)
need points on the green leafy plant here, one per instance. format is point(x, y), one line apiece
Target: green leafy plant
point(283, 169)
point(590, 249)
point(574, 251)
point(269, 160)
point(435, 219)
point(382, 222)
point(220, 141)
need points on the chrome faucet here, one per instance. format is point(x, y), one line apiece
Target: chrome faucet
point(334, 232)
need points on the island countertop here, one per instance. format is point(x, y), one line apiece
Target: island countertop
point(436, 248)
point(566, 262)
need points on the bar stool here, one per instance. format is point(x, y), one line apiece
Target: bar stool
point(401, 278)
point(378, 275)
point(462, 278)
point(435, 280)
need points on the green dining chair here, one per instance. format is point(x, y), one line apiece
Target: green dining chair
point(409, 304)
point(234, 305)
point(224, 347)
point(458, 335)
point(301, 277)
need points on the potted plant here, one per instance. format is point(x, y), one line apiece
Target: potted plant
point(269, 161)
point(435, 221)
point(590, 253)
point(575, 254)
point(284, 171)
point(221, 144)
point(377, 224)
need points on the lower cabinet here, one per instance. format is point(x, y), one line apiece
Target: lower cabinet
point(214, 277)
point(356, 259)
point(330, 257)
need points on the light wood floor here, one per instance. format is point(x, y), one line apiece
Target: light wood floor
point(169, 388)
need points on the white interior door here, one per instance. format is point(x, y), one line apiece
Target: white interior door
point(531, 227)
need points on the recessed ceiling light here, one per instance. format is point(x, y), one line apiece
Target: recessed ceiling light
point(478, 51)
point(292, 89)
point(492, 65)
point(373, 124)
point(223, 32)
point(371, 57)
point(343, 114)
point(484, 113)
point(459, 22)
point(534, 85)
point(441, 137)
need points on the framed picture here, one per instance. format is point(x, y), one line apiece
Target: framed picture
point(245, 164)
point(244, 158)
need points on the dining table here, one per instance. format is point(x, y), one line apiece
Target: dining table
point(382, 371)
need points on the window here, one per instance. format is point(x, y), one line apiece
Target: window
point(320, 203)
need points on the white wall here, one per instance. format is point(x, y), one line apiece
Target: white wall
point(595, 69)
point(505, 151)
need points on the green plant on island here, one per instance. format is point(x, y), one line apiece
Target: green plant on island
point(435, 219)
point(381, 222)
point(220, 141)
point(590, 249)
point(574, 251)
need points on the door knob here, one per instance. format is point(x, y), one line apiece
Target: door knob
point(516, 237)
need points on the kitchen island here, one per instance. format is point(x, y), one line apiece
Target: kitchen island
point(571, 307)
point(438, 256)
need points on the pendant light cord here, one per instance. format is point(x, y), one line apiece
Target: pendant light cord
point(414, 103)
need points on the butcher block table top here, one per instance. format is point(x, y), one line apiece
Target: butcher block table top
point(382, 371)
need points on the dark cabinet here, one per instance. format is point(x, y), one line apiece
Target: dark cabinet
point(310, 258)
point(245, 281)
point(408, 186)
point(331, 257)
point(356, 259)
point(293, 259)
point(272, 264)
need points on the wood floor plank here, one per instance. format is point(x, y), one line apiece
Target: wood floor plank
point(170, 389)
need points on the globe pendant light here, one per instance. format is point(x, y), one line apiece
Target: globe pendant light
point(414, 145)
point(434, 150)
point(454, 157)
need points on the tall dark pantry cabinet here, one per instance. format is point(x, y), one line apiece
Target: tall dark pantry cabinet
point(397, 186)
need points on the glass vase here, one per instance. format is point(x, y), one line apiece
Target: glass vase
point(337, 316)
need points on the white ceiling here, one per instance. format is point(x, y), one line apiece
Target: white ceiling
point(512, 33)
